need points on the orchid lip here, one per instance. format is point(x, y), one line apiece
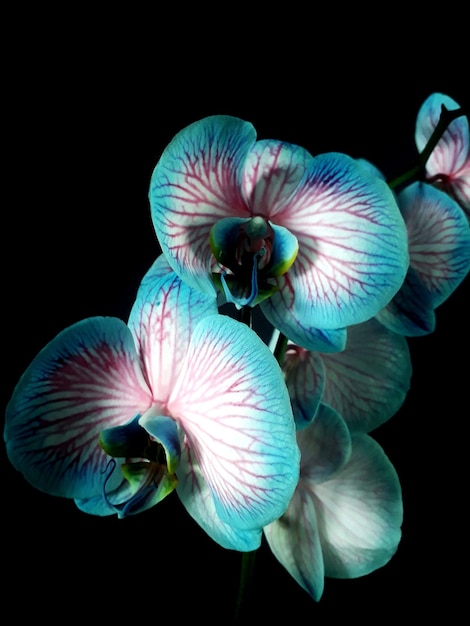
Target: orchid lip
point(151, 452)
point(131, 441)
point(250, 253)
point(150, 482)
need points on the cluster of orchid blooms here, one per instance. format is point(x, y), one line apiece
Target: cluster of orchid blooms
point(256, 439)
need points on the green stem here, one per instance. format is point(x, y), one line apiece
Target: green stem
point(246, 576)
point(246, 316)
point(280, 348)
point(445, 119)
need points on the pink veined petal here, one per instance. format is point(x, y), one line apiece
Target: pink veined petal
point(295, 542)
point(453, 147)
point(195, 183)
point(273, 170)
point(233, 405)
point(86, 379)
point(353, 253)
point(197, 498)
point(438, 238)
point(359, 512)
point(162, 320)
point(459, 185)
point(294, 322)
point(159, 269)
point(368, 382)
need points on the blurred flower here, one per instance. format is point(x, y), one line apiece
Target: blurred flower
point(366, 383)
point(344, 520)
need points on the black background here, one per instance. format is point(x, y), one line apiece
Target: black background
point(89, 112)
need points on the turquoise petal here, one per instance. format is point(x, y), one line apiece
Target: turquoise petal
point(232, 403)
point(281, 313)
point(195, 184)
point(353, 247)
point(272, 172)
point(85, 380)
point(197, 498)
point(452, 149)
point(410, 312)
point(162, 319)
point(164, 430)
point(438, 239)
point(284, 251)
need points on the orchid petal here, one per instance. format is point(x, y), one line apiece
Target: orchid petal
point(295, 542)
point(281, 313)
point(95, 506)
point(294, 539)
point(304, 375)
point(325, 446)
point(233, 405)
point(453, 147)
point(367, 383)
point(162, 319)
point(273, 170)
point(284, 251)
point(165, 431)
point(197, 498)
point(100, 505)
point(410, 312)
point(370, 168)
point(143, 486)
point(353, 252)
point(460, 187)
point(359, 512)
point(86, 379)
point(159, 269)
point(438, 238)
point(196, 183)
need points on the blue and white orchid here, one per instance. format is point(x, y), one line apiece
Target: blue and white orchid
point(344, 520)
point(448, 166)
point(116, 416)
point(318, 242)
point(439, 247)
point(366, 383)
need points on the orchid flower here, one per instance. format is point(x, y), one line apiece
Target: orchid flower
point(439, 247)
point(117, 416)
point(345, 517)
point(366, 383)
point(448, 166)
point(318, 242)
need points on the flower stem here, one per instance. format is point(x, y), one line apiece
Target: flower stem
point(246, 316)
point(280, 348)
point(246, 576)
point(445, 119)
